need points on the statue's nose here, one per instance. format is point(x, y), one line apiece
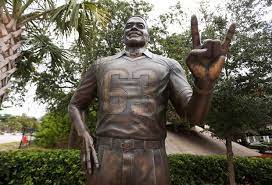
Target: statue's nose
point(134, 27)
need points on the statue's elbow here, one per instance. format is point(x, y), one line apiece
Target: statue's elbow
point(71, 109)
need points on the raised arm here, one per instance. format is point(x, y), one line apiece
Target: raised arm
point(205, 63)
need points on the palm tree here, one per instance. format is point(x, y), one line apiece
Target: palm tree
point(26, 16)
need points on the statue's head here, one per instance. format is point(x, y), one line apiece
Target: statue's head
point(136, 32)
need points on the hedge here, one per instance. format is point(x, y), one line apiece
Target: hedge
point(58, 167)
point(62, 167)
point(198, 170)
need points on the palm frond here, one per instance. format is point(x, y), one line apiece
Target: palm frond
point(17, 5)
point(68, 16)
point(32, 16)
point(25, 6)
point(101, 14)
point(3, 6)
point(44, 47)
point(3, 3)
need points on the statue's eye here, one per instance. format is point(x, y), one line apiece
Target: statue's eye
point(129, 25)
point(140, 25)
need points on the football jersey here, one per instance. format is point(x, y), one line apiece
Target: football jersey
point(133, 94)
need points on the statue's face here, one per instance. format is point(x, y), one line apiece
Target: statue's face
point(136, 33)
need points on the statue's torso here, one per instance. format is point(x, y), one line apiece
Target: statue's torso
point(133, 96)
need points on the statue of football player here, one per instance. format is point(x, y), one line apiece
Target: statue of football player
point(133, 88)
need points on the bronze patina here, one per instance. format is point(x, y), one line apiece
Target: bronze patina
point(133, 88)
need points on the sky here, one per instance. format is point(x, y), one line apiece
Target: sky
point(35, 109)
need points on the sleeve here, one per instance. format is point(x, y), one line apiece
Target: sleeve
point(180, 90)
point(86, 90)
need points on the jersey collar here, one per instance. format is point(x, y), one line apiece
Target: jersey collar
point(123, 53)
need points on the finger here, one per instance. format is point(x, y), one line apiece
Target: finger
point(88, 164)
point(94, 155)
point(84, 161)
point(208, 44)
point(195, 32)
point(199, 52)
point(96, 162)
point(84, 155)
point(83, 158)
point(88, 158)
point(228, 38)
point(216, 49)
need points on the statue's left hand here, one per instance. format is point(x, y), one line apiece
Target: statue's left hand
point(88, 153)
point(206, 61)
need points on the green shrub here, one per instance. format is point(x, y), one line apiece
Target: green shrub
point(63, 167)
point(196, 170)
point(58, 167)
point(54, 128)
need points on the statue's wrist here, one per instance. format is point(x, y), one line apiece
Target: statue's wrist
point(203, 87)
point(202, 91)
point(82, 132)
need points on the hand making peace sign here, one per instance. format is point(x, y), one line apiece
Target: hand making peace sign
point(206, 61)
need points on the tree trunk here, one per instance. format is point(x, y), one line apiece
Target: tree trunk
point(244, 141)
point(10, 36)
point(231, 173)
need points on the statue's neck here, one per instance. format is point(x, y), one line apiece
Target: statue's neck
point(134, 52)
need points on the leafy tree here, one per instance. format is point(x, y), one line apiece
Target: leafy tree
point(54, 129)
point(17, 123)
point(33, 16)
point(241, 99)
point(233, 114)
point(252, 49)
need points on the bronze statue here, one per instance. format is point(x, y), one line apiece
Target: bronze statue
point(134, 87)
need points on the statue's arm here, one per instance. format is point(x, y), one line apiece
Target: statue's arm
point(82, 98)
point(188, 102)
point(79, 103)
point(205, 62)
point(77, 119)
point(198, 105)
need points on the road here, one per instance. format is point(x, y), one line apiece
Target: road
point(8, 138)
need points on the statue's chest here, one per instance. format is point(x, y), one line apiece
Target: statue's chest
point(132, 77)
point(132, 87)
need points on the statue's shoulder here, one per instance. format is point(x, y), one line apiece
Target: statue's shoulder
point(106, 59)
point(166, 61)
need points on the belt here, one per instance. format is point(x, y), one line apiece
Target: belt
point(129, 144)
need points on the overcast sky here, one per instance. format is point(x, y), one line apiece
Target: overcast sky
point(34, 109)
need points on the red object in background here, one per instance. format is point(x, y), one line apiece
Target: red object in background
point(24, 139)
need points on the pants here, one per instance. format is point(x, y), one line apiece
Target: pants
point(130, 162)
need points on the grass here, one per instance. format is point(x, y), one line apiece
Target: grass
point(9, 146)
point(15, 146)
